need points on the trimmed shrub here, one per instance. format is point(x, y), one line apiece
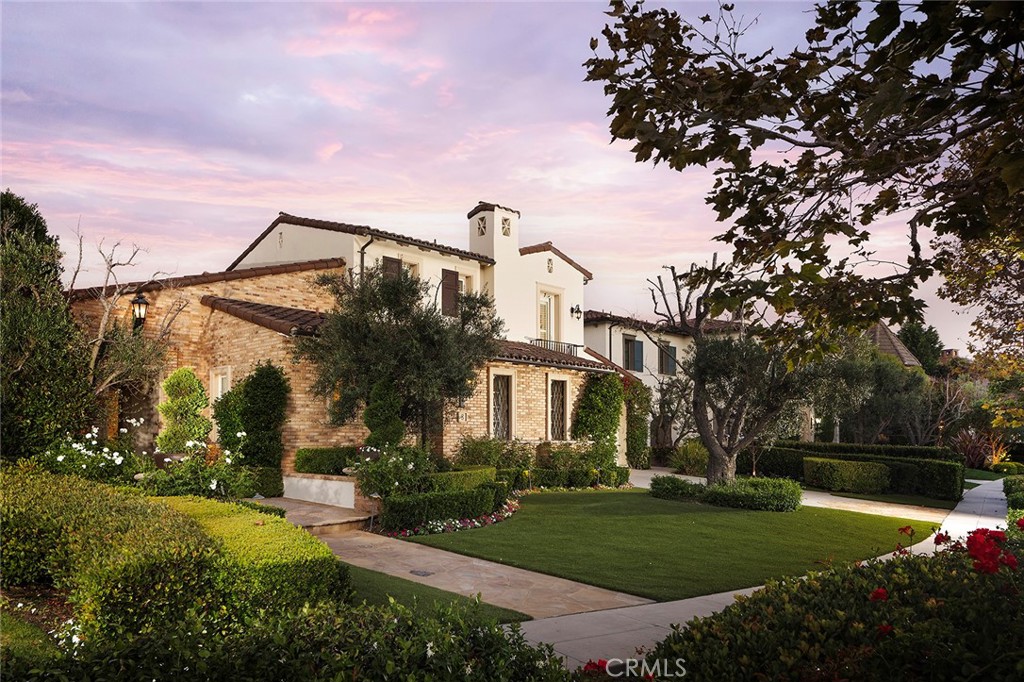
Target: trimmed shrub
point(516, 479)
point(397, 471)
point(690, 458)
point(227, 412)
point(901, 451)
point(1015, 500)
point(773, 463)
point(106, 548)
point(261, 508)
point(937, 619)
point(186, 398)
point(264, 403)
point(265, 562)
point(466, 479)
point(1008, 468)
point(850, 477)
point(501, 454)
point(327, 461)
point(672, 488)
point(399, 512)
point(193, 475)
point(382, 416)
point(500, 493)
point(1013, 484)
point(549, 478)
point(614, 477)
point(764, 494)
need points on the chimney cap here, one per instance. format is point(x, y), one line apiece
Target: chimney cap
point(483, 206)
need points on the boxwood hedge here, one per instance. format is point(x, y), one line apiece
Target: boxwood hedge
point(327, 461)
point(399, 512)
point(902, 451)
point(464, 479)
point(850, 477)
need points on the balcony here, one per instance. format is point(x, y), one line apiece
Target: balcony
point(558, 346)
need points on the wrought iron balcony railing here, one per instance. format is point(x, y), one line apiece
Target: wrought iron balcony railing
point(558, 346)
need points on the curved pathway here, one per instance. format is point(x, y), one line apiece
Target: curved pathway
point(619, 633)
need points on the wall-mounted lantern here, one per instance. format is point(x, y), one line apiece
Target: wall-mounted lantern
point(576, 311)
point(139, 307)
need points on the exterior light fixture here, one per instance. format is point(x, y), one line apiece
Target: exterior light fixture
point(576, 311)
point(139, 307)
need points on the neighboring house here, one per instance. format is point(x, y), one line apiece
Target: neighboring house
point(252, 312)
point(887, 342)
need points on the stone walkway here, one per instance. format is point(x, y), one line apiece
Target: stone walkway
point(619, 633)
point(535, 594)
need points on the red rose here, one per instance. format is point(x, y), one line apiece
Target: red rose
point(941, 538)
point(1009, 560)
point(880, 594)
point(884, 630)
point(1020, 523)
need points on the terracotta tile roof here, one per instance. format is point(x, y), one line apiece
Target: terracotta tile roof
point(487, 206)
point(298, 322)
point(887, 342)
point(599, 316)
point(289, 321)
point(361, 230)
point(518, 351)
point(209, 277)
point(623, 372)
point(548, 246)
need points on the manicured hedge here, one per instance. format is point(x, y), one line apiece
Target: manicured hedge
point(265, 562)
point(1013, 484)
point(465, 479)
point(672, 488)
point(764, 494)
point(130, 566)
point(774, 463)
point(261, 508)
point(902, 451)
point(1008, 468)
point(517, 479)
point(500, 489)
point(911, 618)
point(399, 512)
point(613, 477)
point(850, 477)
point(328, 461)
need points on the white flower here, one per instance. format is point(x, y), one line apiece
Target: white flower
point(83, 466)
point(430, 649)
point(228, 460)
point(122, 430)
point(20, 605)
point(75, 640)
point(60, 458)
point(106, 450)
point(213, 484)
point(166, 459)
point(118, 460)
point(410, 467)
point(240, 434)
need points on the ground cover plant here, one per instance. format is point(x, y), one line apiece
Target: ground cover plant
point(665, 550)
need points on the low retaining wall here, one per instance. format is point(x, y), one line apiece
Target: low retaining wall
point(337, 491)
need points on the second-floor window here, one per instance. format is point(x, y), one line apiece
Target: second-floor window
point(667, 359)
point(632, 354)
point(547, 315)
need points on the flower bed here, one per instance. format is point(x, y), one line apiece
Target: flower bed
point(453, 525)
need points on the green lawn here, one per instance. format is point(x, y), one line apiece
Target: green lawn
point(375, 587)
point(665, 550)
point(897, 498)
point(25, 640)
point(982, 475)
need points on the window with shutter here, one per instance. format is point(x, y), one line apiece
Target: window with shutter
point(667, 359)
point(545, 317)
point(391, 266)
point(632, 354)
point(449, 293)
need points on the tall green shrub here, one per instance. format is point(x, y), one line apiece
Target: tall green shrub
point(638, 407)
point(186, 398)
point(43, 358)
point(227, 412)
point(383, 416)
point(263, 411)
point(598, 411)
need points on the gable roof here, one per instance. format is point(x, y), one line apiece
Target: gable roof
point(548, 246)
point(208, 278)
point(299, 322)
point(887, 342)
point(363, 231)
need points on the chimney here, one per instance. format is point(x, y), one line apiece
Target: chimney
point(494, 231)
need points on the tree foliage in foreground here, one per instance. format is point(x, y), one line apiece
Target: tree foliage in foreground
point(43, 364)
point(389, 328)
point(924, 343)
point(814, 148)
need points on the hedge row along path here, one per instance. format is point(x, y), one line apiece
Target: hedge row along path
point(617, 634)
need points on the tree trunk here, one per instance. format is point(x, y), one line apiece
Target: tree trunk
point(721, 465)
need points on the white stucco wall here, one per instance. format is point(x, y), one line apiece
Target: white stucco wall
point(597, 338)
point(296, 243)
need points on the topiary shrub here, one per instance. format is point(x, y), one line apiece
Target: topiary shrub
point(381, 416)
point(500, 490)
point(672, 488)
point(466, 479)
point(850, 477)
point(227, 413)
point(638, 406)
point(597, 415)
point(263, 411)
point(690, 457)
point(327, 461)
point(763, 494)
point(183, 423)
point(910, 618)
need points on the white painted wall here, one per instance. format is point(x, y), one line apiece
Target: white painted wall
point(297, 243)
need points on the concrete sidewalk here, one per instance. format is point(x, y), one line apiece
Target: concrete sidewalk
point(619, 633)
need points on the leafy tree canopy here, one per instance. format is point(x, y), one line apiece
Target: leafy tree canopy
point(389, 328)
point(43, 359)
point(813, 148)
point(924, 343)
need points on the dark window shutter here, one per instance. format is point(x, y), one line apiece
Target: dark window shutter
point(671, 364)
point(392, 266)
point(449, 293)
point(638, 356)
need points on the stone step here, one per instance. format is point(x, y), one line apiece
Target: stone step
point(334, 529)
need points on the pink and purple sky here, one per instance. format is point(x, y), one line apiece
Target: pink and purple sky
point(185, 128)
